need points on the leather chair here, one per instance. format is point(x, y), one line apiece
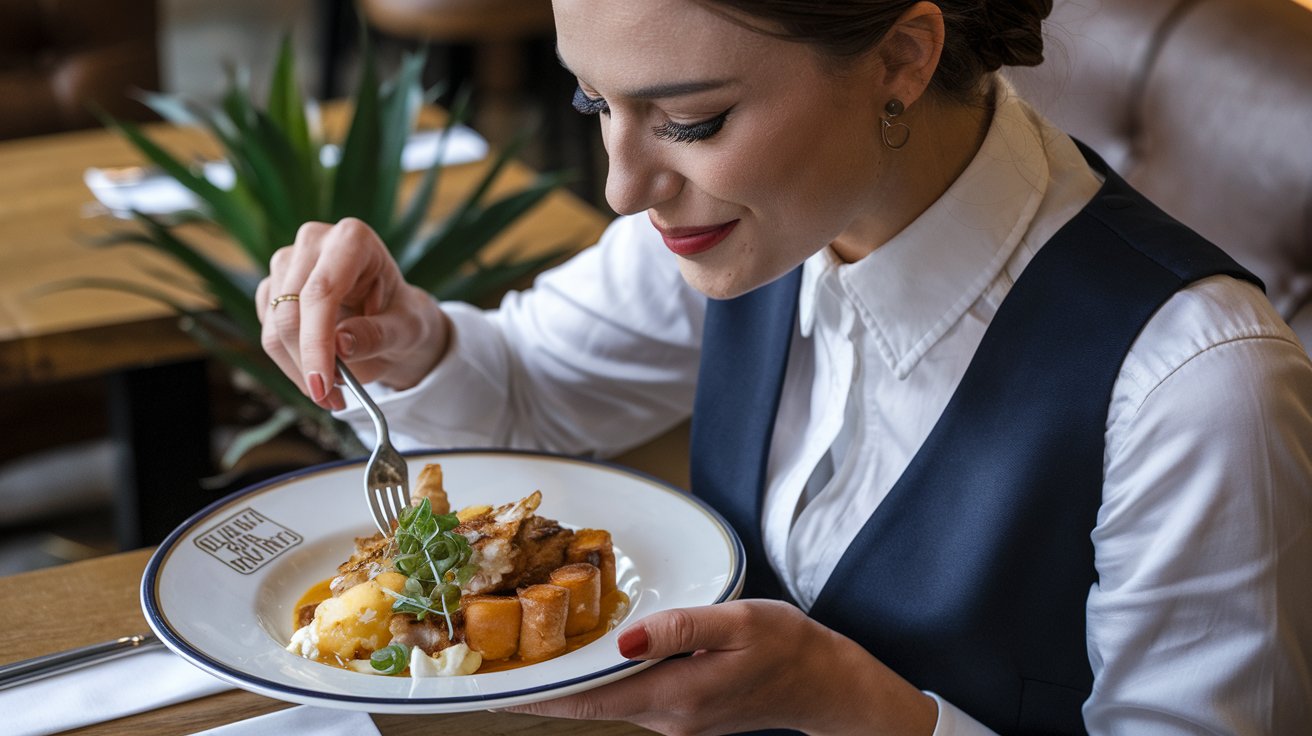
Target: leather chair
point(60, 57)
point(470, 21)
point(1206, 107)
point(1203, 105)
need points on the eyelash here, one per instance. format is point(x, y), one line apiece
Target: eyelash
point(589, 105)
point(668, 131)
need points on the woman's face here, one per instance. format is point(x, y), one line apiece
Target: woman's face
point(746, 151)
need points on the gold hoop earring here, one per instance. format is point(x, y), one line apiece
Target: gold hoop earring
point(895, 135)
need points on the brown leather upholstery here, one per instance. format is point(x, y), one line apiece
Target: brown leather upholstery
point(59, 56)
point(1206, 107)
point(460, 20)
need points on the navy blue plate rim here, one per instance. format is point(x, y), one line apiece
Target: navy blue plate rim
point(157, 620)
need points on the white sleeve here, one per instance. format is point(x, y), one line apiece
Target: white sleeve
point(954, 722)
point(1201, 620)
point(599, 356)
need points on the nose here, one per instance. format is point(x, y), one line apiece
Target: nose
point(638, 178)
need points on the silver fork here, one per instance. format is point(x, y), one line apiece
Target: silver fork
point(386, 478)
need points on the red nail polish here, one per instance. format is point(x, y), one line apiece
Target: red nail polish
point(314, 382)
point(633, 642)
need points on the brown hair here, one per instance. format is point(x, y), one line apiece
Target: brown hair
point(980, 37)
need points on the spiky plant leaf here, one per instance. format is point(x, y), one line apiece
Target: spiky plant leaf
point(460, 238)
point(250, 438)
point(356, 178)
point(287, 107)
point(239, 218)
point(397, 110)
point(407, 223)
point(231, 293)
point(281, 182)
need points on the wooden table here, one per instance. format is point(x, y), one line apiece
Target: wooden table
point(35, 606)
point(157, 378)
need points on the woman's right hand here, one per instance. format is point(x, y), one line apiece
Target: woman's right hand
point(353, 303)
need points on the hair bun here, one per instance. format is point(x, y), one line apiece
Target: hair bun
point(1011, 33)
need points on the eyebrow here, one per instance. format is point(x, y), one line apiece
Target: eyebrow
point(675, 89)
point(662, 91)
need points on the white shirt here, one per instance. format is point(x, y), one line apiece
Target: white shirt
point(1201, 620)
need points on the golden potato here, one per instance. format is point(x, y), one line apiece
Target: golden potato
point(355, 623)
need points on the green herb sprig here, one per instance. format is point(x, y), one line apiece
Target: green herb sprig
point(391, 659)
point(435, 561)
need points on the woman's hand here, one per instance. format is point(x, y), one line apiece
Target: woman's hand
point(353, 303)
point(757, 664)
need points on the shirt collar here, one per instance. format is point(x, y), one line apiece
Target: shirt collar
point(911, 290)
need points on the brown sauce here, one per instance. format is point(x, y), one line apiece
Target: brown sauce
point(318, 593)
point(613, 607)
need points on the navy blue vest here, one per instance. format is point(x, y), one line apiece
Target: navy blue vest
point(971, 578)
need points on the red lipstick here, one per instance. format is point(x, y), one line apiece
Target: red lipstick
point(687, 241)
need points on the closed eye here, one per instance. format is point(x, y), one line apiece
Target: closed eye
point(691, 132)
point(668, 131)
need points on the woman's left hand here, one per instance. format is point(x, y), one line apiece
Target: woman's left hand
point(756, 664)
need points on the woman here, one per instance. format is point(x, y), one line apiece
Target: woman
point(1023, 449)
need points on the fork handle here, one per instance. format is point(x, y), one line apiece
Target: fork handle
point(29, 670)
point(376, 414)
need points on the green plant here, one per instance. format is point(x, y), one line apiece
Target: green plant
point(282, 182)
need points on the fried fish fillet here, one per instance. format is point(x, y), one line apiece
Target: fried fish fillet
point(372, 556)
point(429, 635)
point(513, 547)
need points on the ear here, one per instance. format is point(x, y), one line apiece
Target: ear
point(910, 51)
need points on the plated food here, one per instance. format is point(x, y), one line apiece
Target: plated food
point(446, 594)
point(222, 590)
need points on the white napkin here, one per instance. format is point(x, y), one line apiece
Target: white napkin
point(303, 719)
point(102, 692)
point(151, 191)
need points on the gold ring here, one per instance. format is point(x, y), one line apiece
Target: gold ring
point(284, 298)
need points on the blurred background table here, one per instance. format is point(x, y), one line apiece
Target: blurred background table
point(36, 604)
point(159, 388)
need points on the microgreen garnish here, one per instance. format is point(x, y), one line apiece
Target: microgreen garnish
point(435, 561)
point(391, 659)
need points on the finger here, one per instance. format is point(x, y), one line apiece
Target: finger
point(285, 321)
point(261, 298)
point(623, 700)
point(290, 265)
point(348, 263)
point(270, 336)
point(582, 707)
point(275, 346)
point(679, 630)
point(670, 690)
point(288, 269)
point(360, 339)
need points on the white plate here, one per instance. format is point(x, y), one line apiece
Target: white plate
point(221, 589)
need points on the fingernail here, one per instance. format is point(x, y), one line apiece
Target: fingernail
point(314, 381)
point(345, 344)
point(633, 642)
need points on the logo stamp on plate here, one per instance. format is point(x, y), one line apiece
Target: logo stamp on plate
point(247, 540)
